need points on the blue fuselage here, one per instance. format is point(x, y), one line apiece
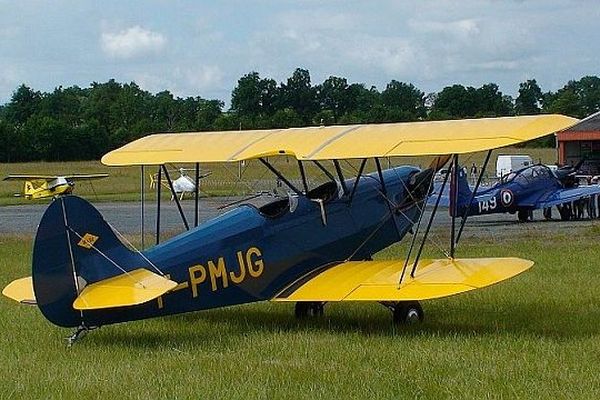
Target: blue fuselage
point(244, 256)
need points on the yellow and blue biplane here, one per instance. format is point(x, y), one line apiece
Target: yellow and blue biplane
point(311, 247)
point(46, 186)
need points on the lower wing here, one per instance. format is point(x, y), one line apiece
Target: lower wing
point(561, 196)
point(378, 280)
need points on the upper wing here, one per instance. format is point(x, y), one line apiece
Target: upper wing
point(560, 196)
point(18, 177)
point(339, 142)
point(14, 177)
point(81, 177)
point(378, 280)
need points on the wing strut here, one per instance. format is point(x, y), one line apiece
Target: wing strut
point(390, 204)
point(453, 202)
point(429, 223)
point(466, 213)
point(303, 176)
point(338, 169)
point(280, 176)
point(322, 168)
point(158, 190)
point(142, 199)
point(380, 173)
point(360, 171)
point(196, 193)
point(183, 218)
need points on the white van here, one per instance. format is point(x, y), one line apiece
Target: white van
point(514, 162)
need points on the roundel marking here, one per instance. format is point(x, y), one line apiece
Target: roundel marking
point(506, 197)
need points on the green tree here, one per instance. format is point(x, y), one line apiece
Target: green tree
point(404, 102)
point(490, 102)
point(530, 98)
point(207, 113)
point(286, 118)
point(334, 96)
point(254, 97)
point(23, 104)
point(299, 95)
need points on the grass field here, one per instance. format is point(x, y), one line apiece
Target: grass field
point(124, 183)
point(536, 336)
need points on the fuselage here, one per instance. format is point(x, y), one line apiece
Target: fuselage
point(250, 254)
point(518, 191)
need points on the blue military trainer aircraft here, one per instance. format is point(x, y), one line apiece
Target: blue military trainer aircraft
point(310, 247)
point(525, 190)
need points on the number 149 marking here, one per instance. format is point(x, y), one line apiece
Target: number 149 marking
point(487, 205)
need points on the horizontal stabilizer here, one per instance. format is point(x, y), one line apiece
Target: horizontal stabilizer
point(128, 289)
point(378, 280)
point(21, 290)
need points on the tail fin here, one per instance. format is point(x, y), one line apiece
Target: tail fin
point(75, 248)
point(464, 193)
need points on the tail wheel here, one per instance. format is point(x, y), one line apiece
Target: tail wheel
point(408, 313)
point(305, 309)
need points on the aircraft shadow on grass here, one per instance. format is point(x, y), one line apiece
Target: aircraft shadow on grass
point(522, 319)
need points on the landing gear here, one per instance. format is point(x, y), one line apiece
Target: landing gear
point(525, 215)
point(79, 334)
point(406, 312)
point(305, 309)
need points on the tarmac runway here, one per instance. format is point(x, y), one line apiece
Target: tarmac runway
point(126, 217)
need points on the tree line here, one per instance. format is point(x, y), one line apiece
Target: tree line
point(84, 123)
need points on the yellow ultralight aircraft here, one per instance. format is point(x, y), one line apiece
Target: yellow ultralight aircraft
point(44, 186)
point(313, 246)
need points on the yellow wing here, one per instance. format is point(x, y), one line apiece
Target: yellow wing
point(378, 280)
point(339, 142)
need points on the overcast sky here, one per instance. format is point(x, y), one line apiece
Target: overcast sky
point(201, 48)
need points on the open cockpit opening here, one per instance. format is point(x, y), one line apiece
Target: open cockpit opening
point(275, 209)
point(325, 192)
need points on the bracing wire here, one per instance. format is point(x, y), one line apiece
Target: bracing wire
point(106, 257)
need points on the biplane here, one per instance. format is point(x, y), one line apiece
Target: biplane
point(311, 247)
point(45, 186)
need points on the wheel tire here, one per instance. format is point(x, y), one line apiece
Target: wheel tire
point(306, 309)
point(408, 313)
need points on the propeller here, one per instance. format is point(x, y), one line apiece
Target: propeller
point(566, 174)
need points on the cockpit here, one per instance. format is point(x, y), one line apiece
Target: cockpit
point(322, 194)
point(527, 175)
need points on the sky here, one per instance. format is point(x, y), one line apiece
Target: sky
point(201, 48)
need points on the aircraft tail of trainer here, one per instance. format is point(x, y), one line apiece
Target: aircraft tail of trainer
point(80, 265)
point(464, 193)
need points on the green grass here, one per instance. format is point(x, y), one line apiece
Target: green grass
point(535, 336)
point(124, 182)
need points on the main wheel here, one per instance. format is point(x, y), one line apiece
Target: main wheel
point(408, 313)
point(305, 309)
